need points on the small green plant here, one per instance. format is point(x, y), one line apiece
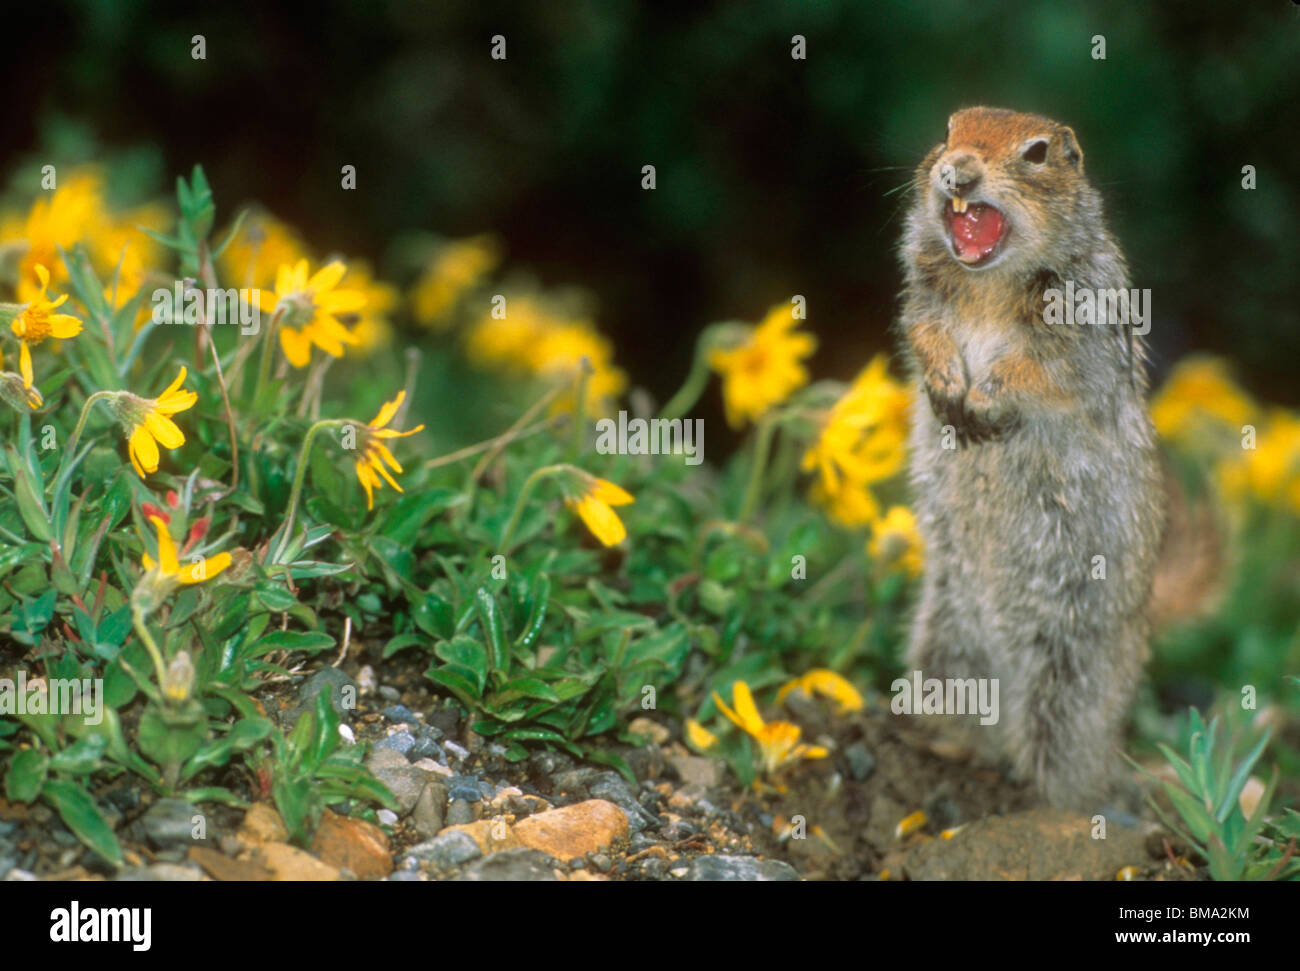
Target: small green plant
point(1207, 798)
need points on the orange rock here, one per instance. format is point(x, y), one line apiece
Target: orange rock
point(221, 867)
point(353, 844)
point(491, 835)
point(262, 824)
point(290, 863)
point(573, 831)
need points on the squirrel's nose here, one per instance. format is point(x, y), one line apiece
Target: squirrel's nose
point(959, 173)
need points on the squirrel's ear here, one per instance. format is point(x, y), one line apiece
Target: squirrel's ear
point(1070, 146)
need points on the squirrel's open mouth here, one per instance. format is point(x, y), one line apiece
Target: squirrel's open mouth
point(975, 229)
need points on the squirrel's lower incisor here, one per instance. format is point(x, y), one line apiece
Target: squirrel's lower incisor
point(1038, 485)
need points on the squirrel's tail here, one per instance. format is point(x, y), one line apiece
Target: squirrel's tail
point(1189, 573)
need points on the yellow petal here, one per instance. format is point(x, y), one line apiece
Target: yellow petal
point(25, 363)
point(43, 275)
point(699, 736)
point(166, 547)
point(144, 450)
point(746, 710)
point(64, 326)
point(609, 493)
point(164, 430)
point(387, 412)
point(205, 569)
point(326, 277)
point(296, 346)
point(601, 520)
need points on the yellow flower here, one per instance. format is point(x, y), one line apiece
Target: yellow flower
point(778, 742)
point(152, 426)
point(764, 370)
point(311, 309)
point(1269, 472)
point(35, 323)
point(593, 505)
point(371, 330)
point(862, 442)
point(559, 353)
point(168, 566)
point(700, 738)
point(895, 540)
point(263, 245)
point(454, 269)
point(60, 221)
point(1199, 391)
point(371, 472)
point(508, 341)
point(828, 684)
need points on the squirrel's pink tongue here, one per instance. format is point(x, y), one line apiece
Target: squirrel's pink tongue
point(976, 231)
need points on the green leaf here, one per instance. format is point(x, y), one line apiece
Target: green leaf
point(80, 814)
point(468, 653)
point(26, 775)
point(81, 757)
point(490, 618)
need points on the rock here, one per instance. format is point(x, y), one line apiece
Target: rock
point(338, 683)
point(426, 747)
point(490, 835)
point(464, 787)
point(650, 729)
point(445, 720)
point(722, 867)
point(366, 680)
point(610, 787)
point(646, 761)
point(574, 831)
point(510, 865)
point(384, 758)
point(389, 693)
point(262, 824)
point(346, 733)
point(694, 769)
point(20, 876)
point(459, 812)
point(405, 782)
point(169, 824)
point(400, 742)
point(430, 810)
point(457, 752)
point(290, 863)
point(860, 761)
point(434, 768)
point(551, 763)
point(448, 849)
point(575, 781)
point(941, 810)
point(387, 817)
point(352, 844)
point(1039, 844)
point(221, 867)
point(399, 714)
point(404, 876)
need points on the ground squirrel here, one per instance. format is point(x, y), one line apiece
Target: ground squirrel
point(1037, 479)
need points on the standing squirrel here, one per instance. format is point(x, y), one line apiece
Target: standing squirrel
point(1038, 482)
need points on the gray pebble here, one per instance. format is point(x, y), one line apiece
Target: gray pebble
point(748, 868)
point(861, 762)
point(169, 823)
point(459, 812)
point(447, 850)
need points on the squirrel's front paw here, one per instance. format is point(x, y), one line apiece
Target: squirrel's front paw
point(946, 390)
point(986, 417)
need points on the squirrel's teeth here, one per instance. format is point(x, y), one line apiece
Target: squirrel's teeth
point(958, 204)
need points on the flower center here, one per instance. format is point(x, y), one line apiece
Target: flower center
point(33, 324)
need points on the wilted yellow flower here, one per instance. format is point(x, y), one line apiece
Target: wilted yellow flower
point(168, 566)
point(593, 505)
point(1199, 391)
point(700, 738)
point(895, 540)
point(371, 472)
point(828, 684)
point(35, 322)
point(778, 742)
point(178, 685)
point(559, 352)
point(312, 308)
point(765, 369)
point(862, 442)
point(18, 392)
point(455, 268)
point(371, 328)
point(262, 246)
point(150, 423)
point(1269, 472)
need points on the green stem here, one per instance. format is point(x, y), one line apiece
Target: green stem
point(142, 630)
point(268, 344)
point(762, 446)
point(71, 448)
point(299, 475)
point(529, 484)
point(696, 381)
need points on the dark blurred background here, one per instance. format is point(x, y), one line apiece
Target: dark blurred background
point(775, 176)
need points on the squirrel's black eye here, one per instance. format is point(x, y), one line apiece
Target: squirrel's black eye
point(1036, 153)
